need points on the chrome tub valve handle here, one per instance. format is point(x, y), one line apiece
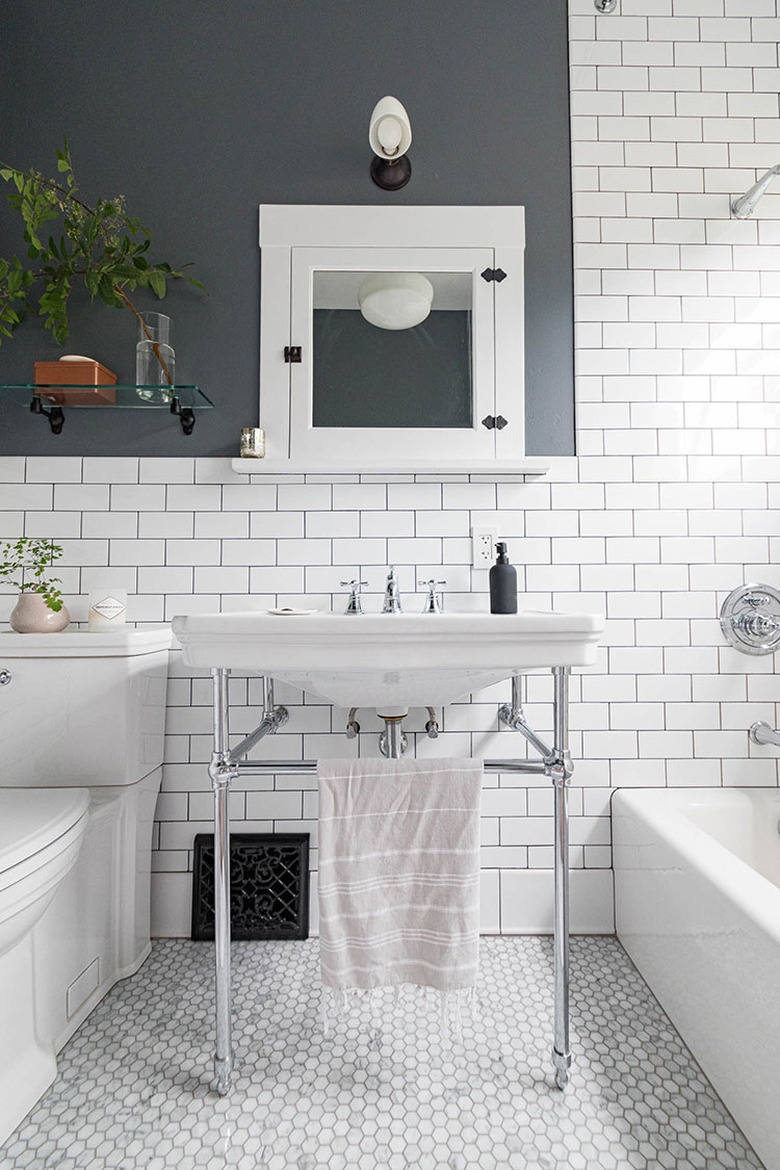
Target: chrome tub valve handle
point(750, 619)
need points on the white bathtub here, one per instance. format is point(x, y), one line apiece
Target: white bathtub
point(697, 893)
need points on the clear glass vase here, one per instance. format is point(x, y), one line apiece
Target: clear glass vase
point(155, 360)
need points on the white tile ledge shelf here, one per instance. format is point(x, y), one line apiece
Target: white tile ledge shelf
point(530, 465)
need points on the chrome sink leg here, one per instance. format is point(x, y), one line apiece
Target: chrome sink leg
point(225, 766)
point(560, 771)
point(222, 771)
point(556, 763)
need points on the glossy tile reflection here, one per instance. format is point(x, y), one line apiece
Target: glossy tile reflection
point(385, 1091)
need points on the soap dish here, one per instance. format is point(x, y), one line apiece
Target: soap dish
point(286, 611)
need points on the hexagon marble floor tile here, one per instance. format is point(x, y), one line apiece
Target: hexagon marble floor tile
point(386, 1088)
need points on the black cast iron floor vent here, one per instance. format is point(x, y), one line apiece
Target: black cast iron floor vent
point(269, 886)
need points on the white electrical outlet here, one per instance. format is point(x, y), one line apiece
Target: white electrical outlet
point(483, 544)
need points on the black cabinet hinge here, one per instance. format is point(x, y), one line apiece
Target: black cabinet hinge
point(495, 422)
point(496, 274)
point(292, 353)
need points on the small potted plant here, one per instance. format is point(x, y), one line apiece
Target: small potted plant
point(100, 246)
point(25, 563)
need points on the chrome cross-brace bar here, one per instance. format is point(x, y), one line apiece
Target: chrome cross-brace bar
point(226, 765)
point(223, 769)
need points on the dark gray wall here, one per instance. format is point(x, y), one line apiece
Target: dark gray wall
point(199, 110)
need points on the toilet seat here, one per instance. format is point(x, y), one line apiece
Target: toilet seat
point(35, 826)
point(40, 836)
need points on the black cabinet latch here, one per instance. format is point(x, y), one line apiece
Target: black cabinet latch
point(496, 274)
point(495, 422)
point(292, 353)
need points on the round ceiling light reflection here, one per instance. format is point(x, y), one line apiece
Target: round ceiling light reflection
point(395, 300)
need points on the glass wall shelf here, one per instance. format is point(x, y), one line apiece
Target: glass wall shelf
point(51, 401)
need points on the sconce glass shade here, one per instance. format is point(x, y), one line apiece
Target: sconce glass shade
point(395, 300)
point(390, 132)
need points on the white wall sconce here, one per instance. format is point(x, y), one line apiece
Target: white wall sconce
point(390, 136)
point(744, 206)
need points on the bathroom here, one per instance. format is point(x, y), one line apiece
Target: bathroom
point(652, 327)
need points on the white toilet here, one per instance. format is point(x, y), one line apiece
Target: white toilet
point(40, 837)
point(82, 719)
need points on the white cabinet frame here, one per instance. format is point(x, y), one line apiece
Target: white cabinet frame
point(286, 231)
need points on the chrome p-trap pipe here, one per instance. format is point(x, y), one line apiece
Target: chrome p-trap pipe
point(226, 765)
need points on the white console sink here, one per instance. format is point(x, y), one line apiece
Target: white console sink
point(389, 660)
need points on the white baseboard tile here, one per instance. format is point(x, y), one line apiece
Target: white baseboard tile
point(314, 905)
point(514, 901)
point(171, 905)
point(490, 902)
point(527, 901)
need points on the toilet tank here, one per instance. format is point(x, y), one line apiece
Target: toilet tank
point(82, 709)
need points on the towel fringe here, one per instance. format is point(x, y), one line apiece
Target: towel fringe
point(455, 1006)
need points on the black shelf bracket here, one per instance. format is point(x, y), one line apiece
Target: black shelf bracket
point(56, 415)
point(186, 415)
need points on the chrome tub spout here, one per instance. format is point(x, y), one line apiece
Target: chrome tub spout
point(762, 733)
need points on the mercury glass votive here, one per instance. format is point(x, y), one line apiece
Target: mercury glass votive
point(252, 443)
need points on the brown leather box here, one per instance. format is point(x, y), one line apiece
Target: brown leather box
point(75, 383)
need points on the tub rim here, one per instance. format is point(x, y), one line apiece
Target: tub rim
point(757, 897)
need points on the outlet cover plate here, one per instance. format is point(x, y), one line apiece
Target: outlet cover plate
point(483, 546)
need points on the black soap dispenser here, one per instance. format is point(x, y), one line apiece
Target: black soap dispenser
point(503, 583)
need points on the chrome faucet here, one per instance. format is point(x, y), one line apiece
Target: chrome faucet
point(392, 594)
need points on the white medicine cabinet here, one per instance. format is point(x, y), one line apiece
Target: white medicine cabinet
point(391, 340)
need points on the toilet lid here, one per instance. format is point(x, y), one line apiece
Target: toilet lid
point(33, 818)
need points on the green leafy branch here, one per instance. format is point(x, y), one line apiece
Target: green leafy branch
point(101, 246)
point(31, 557)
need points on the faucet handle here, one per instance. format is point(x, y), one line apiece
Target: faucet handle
point(434, 603)
point(354, 604)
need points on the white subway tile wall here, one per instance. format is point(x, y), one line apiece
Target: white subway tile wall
point(672, 501)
